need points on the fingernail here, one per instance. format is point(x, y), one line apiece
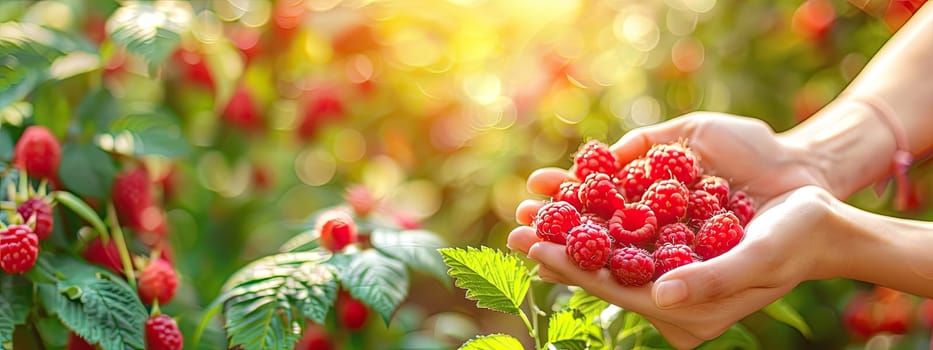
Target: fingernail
point(671, 292)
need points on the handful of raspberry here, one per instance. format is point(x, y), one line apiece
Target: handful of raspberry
point(644, 218)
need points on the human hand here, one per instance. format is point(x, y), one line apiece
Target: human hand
point(789, 242)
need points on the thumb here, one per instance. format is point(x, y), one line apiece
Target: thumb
point(707, 281)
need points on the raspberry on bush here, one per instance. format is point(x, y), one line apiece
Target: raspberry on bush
point(157, 281)
point(19, 248)
point(39, 211)
point(554, 220)
point(162, 333)
point(38, 152)
point(337, 229)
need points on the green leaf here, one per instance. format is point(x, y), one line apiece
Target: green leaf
point(736, 337)
point(15, 301)
point(302, 242)
point(94, 303)
point(567, 325)
point(98, 109)
point(51, 109)
point(377, 281)
point(782, 311)
point(84, 211)
point(157, 133)
point(6, 145)
point(416, 248)
point(53, 332)
point(87, 170)
point(150, 30)
point(16, 83)
point(589, 305)
point(266, 301)
point(492, 342)
point(568, 344)
point(496, 281)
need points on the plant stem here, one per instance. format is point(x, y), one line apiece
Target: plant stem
point(117, 236)
point(531, 329)
point(533, 323)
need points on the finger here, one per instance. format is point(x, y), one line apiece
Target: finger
point(521, 238)
point(599, 283)
point(707, 281)
point(637, 142)
point(548, 275)
point(526, 211)
point(546, 181)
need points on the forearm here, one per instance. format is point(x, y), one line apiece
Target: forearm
point(883, 250)
point(848, 142)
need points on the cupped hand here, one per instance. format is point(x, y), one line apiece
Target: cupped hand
point(784, 245)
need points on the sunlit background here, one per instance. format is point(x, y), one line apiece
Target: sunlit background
point(269, 110)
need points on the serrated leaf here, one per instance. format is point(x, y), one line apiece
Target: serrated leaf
point(268, 300)
point(496, 281)
point(51, 109)
point(94, 303)
point(568, 344)
point(589, 305)
point(150, 30)
point(416, 248)
point(15, 301)
point(783, 312)
point(492, 342)
point(377, 281)
point(567, 325)
point(86, 170)
point(156, 133)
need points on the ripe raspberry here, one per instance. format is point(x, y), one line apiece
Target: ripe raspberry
point(594, 157)
point(719, 234)
point(337, 229)
point(19, 248)
point(157, 281)
point(743, 206)
point(554, 220)
point(104, 255)
point(315, 337)
point(633, 225)
point(668, 200)
point(241, 111)
point(132, 196)
point(631, 266)
point(75, 342)
point(676, 233)
point(43, 216)
point(672, 160)
point(671, 256)
point(716, 186)
point(599, 196)
point(38, 152)
point(633, 180)
point(569, 192)
point(351, 312)
point(588, 246)
point(702, 205)
point(162, 334)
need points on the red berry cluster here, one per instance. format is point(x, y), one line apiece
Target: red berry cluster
point(879, 311)
point(644, 218)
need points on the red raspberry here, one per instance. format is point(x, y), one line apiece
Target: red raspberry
point(672, 160)
point(157, 281)
point(337, 229)
point(671, 256)
point(719, 234)
point(590, 218)
point(676, 233)
point(594, 157)
point(351, 312)
point(633, 180)
point(631, 266)
point(75, 342)
point(668, 200)
point(569, 192)
point(43, 216)
point(599, 196)
point(132, 196)
point(193, 66)
point(588, 246)
point(716, 186)
point(162, 334)
point(19, 248)
point(315, 337)
point(554, 220)
point(241, 111)
point(702, 205)
point(104, 255)
point(743, 206)
point(38, 152)
point(633, 225)
point(323, 104)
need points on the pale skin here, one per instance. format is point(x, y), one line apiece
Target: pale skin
point(802, 231)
